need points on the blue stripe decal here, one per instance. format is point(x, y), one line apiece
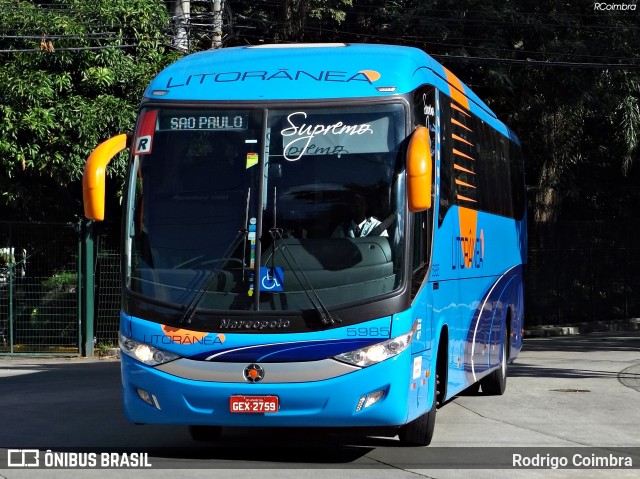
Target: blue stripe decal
point(290, 351)
point(486, 325)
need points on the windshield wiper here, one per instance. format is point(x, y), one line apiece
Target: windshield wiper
point(312, 294)
point(211, 276)
point(296, 269)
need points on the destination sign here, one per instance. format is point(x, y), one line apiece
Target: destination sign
point(203, 121)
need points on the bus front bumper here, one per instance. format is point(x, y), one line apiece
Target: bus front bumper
point(154, 396)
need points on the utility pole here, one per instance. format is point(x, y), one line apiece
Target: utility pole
point(217, 24)
point(181, 16)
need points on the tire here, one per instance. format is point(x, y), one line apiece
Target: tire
point(420, 431)
point(205, 433)
point(496, 382)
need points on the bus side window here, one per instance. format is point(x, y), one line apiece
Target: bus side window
point(421, 248)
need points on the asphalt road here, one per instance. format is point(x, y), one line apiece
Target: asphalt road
point(571, 393)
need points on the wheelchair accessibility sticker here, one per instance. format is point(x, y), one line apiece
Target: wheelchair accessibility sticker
point(271, 279)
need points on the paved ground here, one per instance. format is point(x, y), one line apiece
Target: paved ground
point(568, 392)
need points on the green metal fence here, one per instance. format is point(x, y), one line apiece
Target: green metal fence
point(108, 283)
point(52, 300)
point(39, 284)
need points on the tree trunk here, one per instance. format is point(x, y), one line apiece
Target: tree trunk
point(547, 199)
point(293, 17)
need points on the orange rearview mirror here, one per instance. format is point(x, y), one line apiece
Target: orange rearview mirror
point(419, 170)
point(93, 177)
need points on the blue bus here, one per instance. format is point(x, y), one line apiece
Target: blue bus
point(320, 235)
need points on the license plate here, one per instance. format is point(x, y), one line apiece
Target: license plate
point(253, 404)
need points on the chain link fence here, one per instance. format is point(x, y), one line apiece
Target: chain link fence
point(41, 280)
point(108, 283)
point(39, 285)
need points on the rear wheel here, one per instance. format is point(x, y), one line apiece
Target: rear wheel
point(495, 383)
point(205, 433)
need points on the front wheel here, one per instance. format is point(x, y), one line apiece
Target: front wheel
point(420, 431)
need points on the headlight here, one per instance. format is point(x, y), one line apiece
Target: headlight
point(378, 352)
point(144, 353)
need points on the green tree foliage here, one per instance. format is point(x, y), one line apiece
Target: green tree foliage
point(288, 21)
point(578, 116)
point(72, 73)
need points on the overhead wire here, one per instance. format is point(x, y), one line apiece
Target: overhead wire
point(485, 52)
point(481, 53)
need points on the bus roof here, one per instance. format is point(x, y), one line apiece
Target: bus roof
point(306, 72)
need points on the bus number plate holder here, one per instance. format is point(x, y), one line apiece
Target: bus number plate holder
point(253, 404)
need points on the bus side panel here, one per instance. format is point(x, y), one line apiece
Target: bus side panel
point(422, 384)
point(486, 333)
point(448, 313)
point(422, 387)
point(477, 279)
point(447, 320)
point(491, 290)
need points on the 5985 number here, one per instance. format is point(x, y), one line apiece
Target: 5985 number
point(368, 332)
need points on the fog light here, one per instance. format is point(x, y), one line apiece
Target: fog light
point(370, 399)
point(149, 398)
point(373, 398)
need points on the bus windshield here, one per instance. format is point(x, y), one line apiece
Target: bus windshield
point(265, 210)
